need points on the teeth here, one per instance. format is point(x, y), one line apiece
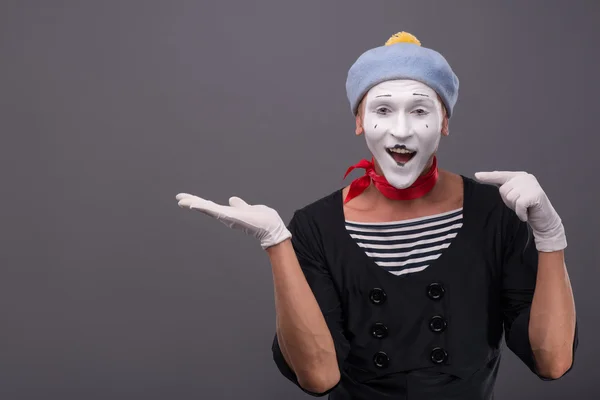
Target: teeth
point(402, 151)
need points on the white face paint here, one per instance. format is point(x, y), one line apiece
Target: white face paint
point(402, 113)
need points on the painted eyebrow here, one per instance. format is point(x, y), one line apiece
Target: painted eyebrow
point(389, 95)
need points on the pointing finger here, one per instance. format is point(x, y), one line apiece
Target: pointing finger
point(496, 177)
point(181, 196)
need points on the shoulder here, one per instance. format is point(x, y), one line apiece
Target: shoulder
point(309, 223)
point(486, 203)
point(313, 218)
point(323, 208)
point(483, 197)
point(482, 191)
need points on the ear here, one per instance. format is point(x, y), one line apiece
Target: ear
point(359, 125)
point(445, 130)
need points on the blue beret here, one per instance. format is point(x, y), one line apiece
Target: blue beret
point(402, 60)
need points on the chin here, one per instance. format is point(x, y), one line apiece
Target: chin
point(397, 176)
point(402, 183)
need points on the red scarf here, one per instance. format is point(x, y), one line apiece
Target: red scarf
point(419, 188)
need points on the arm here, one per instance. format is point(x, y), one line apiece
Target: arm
point(552, 320)
point(310, 344)
point(302, 333)
point(307, 352)
point(537, 299)
point(537, 303)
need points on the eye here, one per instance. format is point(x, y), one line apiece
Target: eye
point(382, 110)
point(420, 111)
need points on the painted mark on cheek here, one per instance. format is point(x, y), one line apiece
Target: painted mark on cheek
point(375, 127)
point(426, 125)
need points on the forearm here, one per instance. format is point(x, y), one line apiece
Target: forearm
point(302, 332)
point(552, 317)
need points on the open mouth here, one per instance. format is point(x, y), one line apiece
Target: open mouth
point(401, 154)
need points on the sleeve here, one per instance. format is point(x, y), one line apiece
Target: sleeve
point(306, 245)
point(519, 273)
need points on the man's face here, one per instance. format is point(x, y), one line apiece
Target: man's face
point(402, 122)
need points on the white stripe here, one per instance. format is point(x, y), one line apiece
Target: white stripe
point(408, 270)
point(408, 253)
point(407, 245)
point(406, 220)
point(413, 236)
point(404, 228)
point(407, 262)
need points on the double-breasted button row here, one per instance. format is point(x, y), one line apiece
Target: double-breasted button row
point(435, 291)
point(437, 323)
point(438, 356)
point(379, 330)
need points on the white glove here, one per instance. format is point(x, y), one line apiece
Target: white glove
point(522, 193)
point(259, 221)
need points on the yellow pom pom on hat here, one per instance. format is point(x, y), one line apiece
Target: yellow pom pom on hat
point(402, 37)
point(402, 57)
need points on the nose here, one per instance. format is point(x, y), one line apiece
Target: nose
point(401, 129)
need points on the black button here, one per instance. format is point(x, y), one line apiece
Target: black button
point(438, 324)
point(381, 360)
point(438, 355)
point(378, 296)
point(379, 330)
point(435, 291)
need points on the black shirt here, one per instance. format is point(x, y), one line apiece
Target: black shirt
point(435, 334)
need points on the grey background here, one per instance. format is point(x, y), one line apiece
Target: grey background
point(109, 108)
